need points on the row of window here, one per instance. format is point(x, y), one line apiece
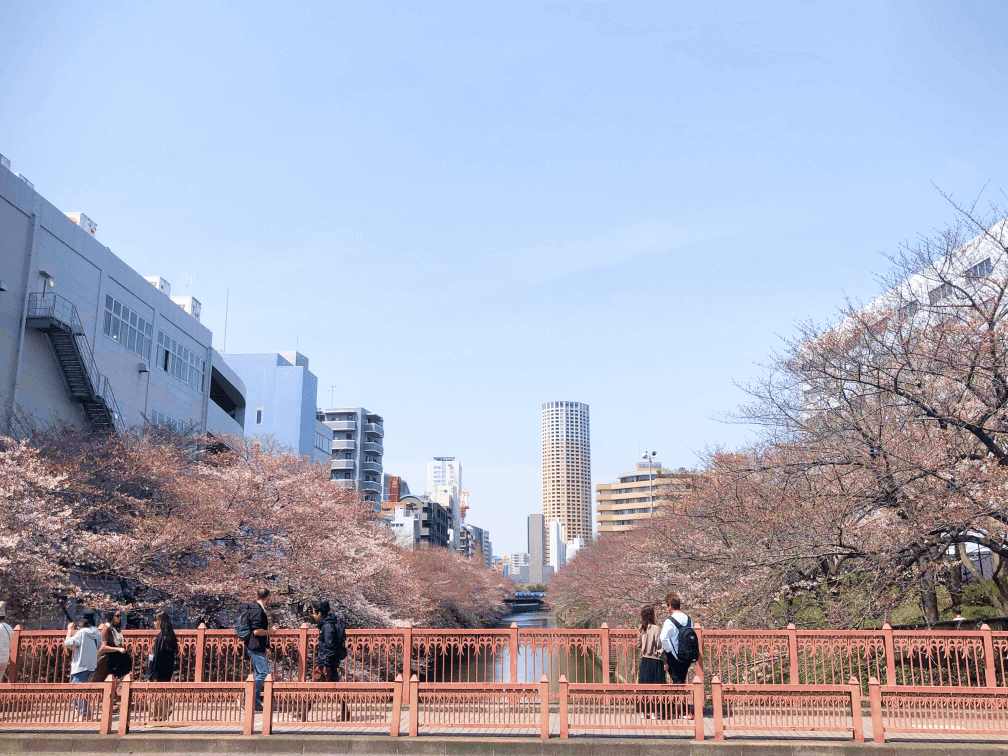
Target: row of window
point(180, 362)
point(322, 443)
point(127, 327)
point(160, 418)
point(980, 270)
point(643, 510)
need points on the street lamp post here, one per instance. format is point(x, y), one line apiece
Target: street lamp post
point(649, 456)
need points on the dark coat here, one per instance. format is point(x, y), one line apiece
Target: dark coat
point(331, 648)
point(162, 667)
point(258, 621)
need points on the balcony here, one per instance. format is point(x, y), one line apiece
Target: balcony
point(374, 447)
point(342, 425)
point(342, 464)
point(372, 467)
point(375, 429)
point(346, 444)
point(370, 485)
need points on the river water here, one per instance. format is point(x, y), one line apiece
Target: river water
point(529, 619)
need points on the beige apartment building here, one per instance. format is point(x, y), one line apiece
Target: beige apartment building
point(634, 497)
point(566, 469)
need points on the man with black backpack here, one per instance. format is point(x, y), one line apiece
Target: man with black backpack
point(253, 629)
point(679, 639)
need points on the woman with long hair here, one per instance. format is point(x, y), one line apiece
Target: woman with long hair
point(652, 671)
point(162, 662)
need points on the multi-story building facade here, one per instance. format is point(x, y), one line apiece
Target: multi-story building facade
point(357, 449)
point(537, 569)
point(475, 542)
point(566, 468)
point(556, 545)
point(444, 471)
point(433, 520)
point(281, 393)
point(635, 495)
point(86, 340)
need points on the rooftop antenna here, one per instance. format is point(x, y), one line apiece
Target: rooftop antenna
point(226, 298)
point(332, 390)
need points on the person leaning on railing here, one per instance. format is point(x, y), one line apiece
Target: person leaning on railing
point(652, 670)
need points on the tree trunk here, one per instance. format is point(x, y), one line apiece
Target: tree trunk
point(929, 599)
point(955, 586)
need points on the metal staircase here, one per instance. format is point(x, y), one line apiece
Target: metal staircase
point(57, 318)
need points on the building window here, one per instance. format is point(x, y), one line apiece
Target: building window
point(127, 327)
point(160, 418)
point(258, 415)
point(322, 443)
point(180, 362)
point(980, 270)
point(939, 293)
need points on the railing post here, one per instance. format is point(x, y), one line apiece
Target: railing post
point(990, 678)
point(890, 654)
point(698, 667)
point(698, 702)
point(875, 696)
point(605, 653)
point(108, 688)
point(200, 651)
point(544, 707)
point(564, 725)
point(414, 707)
point(15, 653)
point(715, 686)
point(303, 652)
point(407, 663)
point(513, 652)
point(267, 712)
point(249, 704)
point(792, 652)
point(855, 703)
point(124, 704)
point(397, 697)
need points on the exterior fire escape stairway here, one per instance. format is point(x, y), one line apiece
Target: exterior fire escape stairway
point(57, 318)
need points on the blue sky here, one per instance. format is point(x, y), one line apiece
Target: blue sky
point(460, 211)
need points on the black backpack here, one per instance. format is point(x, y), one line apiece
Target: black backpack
point(689, 644)
point(341, 651)
point(243, 628)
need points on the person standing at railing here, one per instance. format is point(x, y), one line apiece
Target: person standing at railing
point(652, 670)
point(257, 641)
point(85, 643)
point(113, 658)
point(161, 661)
point(331, 647)
point(6, 636)
point(677, 625)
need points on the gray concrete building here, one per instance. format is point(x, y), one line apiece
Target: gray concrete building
point(87, 340)
point(357, 449)
point(536, 550)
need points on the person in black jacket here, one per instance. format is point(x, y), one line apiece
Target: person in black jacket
point(258, 644)
point(161, 667)
point(331, 647)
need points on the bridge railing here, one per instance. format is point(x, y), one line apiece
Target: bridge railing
point(938, 658)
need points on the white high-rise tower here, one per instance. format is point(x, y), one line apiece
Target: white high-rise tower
point(566, 469)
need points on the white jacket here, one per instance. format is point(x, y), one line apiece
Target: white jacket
point(85, 644)
point(6, 634)
point(670, 633)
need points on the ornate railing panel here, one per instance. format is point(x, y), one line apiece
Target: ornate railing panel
point(746, 657)
point(224, 704)
point(376, 706)
point(488, 705)
point(943, 709)
point(576, 654)
point(372, 655)
point(826, 657)
point(786, 707)
point(84, 706)
point(625, 707)
point(463, 656)
point(624, 656)
point(939, 657)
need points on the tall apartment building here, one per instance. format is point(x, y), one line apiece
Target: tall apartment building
point(281, 393)
point(635, 495)
point(86, 340)
point(537, 570)
point(357, 449)
point(566, 468)
point(444, 471)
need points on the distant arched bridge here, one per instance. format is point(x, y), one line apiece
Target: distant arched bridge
point(527, 601)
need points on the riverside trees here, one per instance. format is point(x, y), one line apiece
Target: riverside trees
point(882, 459)
point(174, 523)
